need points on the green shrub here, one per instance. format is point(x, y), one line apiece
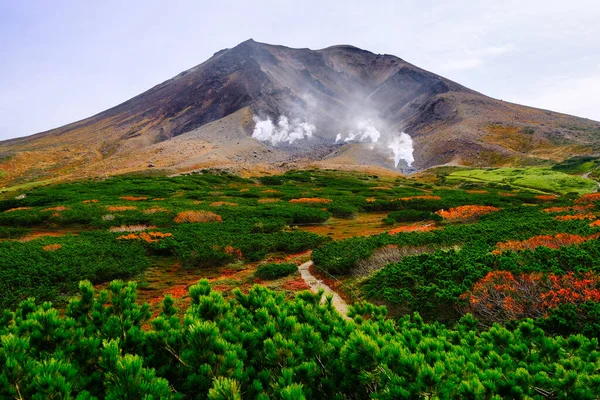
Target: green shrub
point(203, 256)
point(7, 232)
point(28, 270)
point(342, 210)
point(261, 345)
point(388, 221)
point(268, 226)
point(270, 272)
point(271, 180)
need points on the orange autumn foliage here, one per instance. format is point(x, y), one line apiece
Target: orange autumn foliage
point(90, 201)
point(371, 199)
point(571, 289)
point(579, 217)
point(36, 235)
point(17, 209)
point(264, 201)
point(545, 197)
point(595, 223)
point(311, 200)
point(155, 300)
point(133, 198)
point(149, 237)
point(121, 208)
point(567, 208)
point(155, 210)
point(466, 212)
point(177, 291)
point(52, 247)
point(197, 216)
point(412, 228)
point(295, 285)
point(550, 241)
point(227, 273)
point(424, 197)
point(477, 191)
point(237, 253)
point(504, 194)
point(270, 191)
point(222, 203)
point(57, 209)
point(588, 198)
point(502, 296)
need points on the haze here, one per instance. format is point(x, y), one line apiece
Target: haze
point(65, 60)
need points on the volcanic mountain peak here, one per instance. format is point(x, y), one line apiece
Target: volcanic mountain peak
point(270, 105)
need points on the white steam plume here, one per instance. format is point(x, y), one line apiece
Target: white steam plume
point(283, 131)
point(401, 145)
point(365, 132)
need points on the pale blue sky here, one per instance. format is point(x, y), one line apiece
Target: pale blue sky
point(64, 60)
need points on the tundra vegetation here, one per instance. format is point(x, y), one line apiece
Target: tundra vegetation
point(462, 284)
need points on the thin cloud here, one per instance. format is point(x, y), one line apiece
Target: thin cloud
point(475, 58)
point(570, 95)
point(99, 57)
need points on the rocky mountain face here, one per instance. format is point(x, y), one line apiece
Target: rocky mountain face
point(258, 107)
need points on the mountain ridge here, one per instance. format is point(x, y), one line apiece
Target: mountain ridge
point(337, 90)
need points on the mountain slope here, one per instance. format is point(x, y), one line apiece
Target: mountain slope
point(205, 117)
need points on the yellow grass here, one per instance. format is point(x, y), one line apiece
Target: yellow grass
point(197, 216)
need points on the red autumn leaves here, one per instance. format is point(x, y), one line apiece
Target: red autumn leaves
point(550, 241)
point(588, 198)
point(466, 213)
point(502, 296)
point(412, 228)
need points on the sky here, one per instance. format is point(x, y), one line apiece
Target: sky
point(65, 60)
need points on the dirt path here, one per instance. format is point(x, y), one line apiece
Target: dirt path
point(315, 284)
point(587, 175)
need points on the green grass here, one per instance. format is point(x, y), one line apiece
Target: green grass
point(539, 179)
point(25, 186)
point(579, 165)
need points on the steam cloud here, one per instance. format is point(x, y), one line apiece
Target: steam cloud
point(365, 132)
point(286, 131)
point(401, 145)
point(281, 132)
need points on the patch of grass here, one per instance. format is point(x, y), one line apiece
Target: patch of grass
point(539, 179)
point(25, 186)
point(578, 165)
point(275, 271)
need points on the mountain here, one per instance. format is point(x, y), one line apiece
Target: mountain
point(259, 107)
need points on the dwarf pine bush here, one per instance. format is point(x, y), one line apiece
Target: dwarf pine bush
point(259, 345)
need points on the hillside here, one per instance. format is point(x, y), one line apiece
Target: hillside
point(207, 116)
point(206, 285)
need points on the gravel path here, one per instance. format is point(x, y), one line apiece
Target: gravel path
point(315, 284)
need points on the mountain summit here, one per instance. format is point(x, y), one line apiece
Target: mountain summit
point(258, 106)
